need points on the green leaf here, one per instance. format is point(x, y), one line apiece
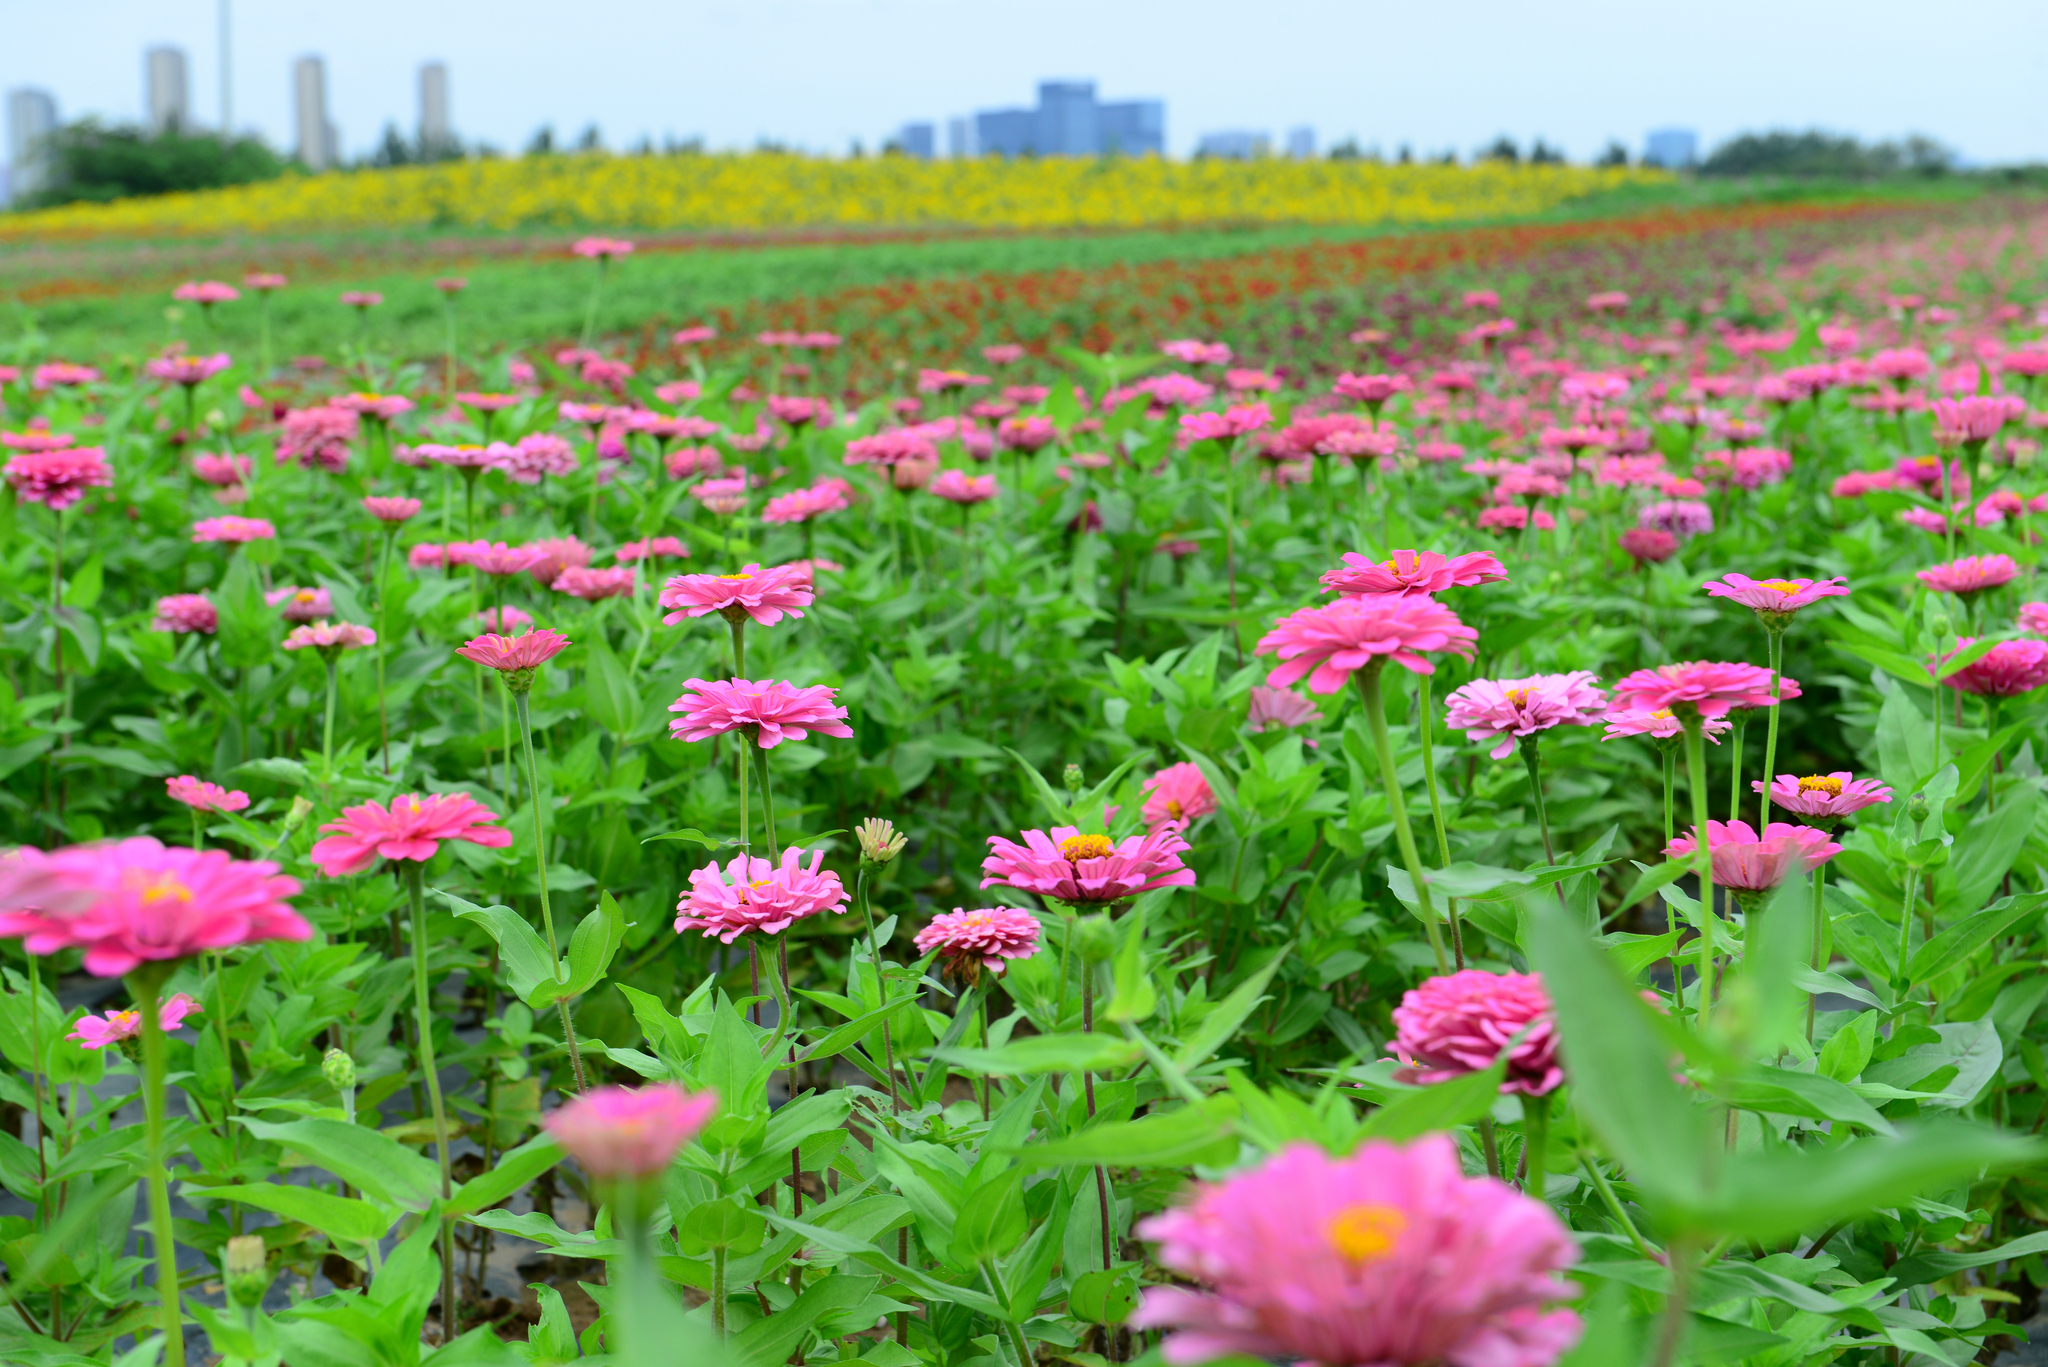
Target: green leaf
point(1046, 1054)
point(1634, 953)
point(1783, 1092)
point(1650, 877)
point(1047, 798)
point(384, 1168)
point(83, 592)
point(512, 1171)
point(593, 946)
point(722, 1223)
point(776, 1338)
point(356, 1222)
point(1939, 1263)
point(1217, 1028)
point(1437, 1106)
point(1190, 1134)
point(688, 833)
point(522, 954)
point(609, 698)
point(1967, 936)
point(1848, 1050)
point(1103, 1297)
point(990, 1221)
point(1985, 851)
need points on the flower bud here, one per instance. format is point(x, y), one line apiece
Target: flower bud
point(1940, 625)
point(1094, 939)
point(296, 817)
point(339, 1069)
point(246, 1265)
point(1917, 808)
point(1074, 779)
point(879, 840)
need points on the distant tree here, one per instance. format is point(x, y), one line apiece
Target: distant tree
point(543, 141)
point(1447, 157)
point(1406, 156)
point(855, 152)
point(590, 140)
point(1543, 154)
point(394, 150)
point(1346, 150)
point(1501, 149)
point(1817, 153)
point(1615, 155)
point(91, 161)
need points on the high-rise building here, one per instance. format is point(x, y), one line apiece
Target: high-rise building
point(919, 140)
point(31, 117)
point(1133, 128)
point(960, 136)
point(1674, 148)
point(163, 69)
point(1006, 132)
point(1068, 122)
point(1234, 144)
point(1301, 143)
point(437, 139)
point(316, 139)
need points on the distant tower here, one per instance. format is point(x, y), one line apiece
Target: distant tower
point(309, 100)
point(164, 90)
point(1675, 149)
point(1068, 123)
point(918, 140)
point(436, 139)
point(959, 137)
point(31, 117)
point(1301, 143)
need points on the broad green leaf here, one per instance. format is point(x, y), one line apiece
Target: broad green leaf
point(1971, 934)
point(775, 1339)
point(512, 1171)
point(384, 1168)
point(357, 1222)
point(521, 952)
point(1223, 1020)
point(593, 946)
point(609, 698)
point(1938, 1263)
point(1848, 1050)
point(990, 1222)
point(1190, 1134)
point(688, 833)
point(1046, 1054)
point(1438, 1105)
point(1785, 1092)
point(1651, 877)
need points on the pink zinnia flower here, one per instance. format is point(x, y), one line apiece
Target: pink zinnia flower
point(763, 595)
point(427, 556)
point(202, 796)
point(1460, 1023)
point(2034, 617)
point(751, 894)
point(695, 335)
point(97, 1032)
point(412, 827)
point(1709, 688)
point(1087, 869)
point(1970, 574)
point(58, 478)
point(1178, 796)
point(654, 548)
point(957, 486)
point(186, 612)
point(1372, 390)
point(62, 375)
point(295, 604)
point(590, 585)
point(328, 638)
point(361, 299)
point(1328, 643)
point(487, 403)
point(1277, 709)
point(204, 292)
point(495, 557)
point(770, 712)
point(1514, 517)
point(1504, 710)
point(1977, 417)
point(462, 457)
point(1774, 601)
point(801, 505)
point(391, 510)
point(1410, 573)
point(507, 654)
point(1660, 724)
point(2009, 669)
point(976, 940)
point(221, 471)
point(263, 282)
point(1746, 863)
point(1026, 434)
point(36, 439)
point(1680, 517)
point(629, 1133)
point(1386, 1258)
point(552, 556)
point(1649, 545)
point(131, 902)
point(601, 248)
point(1828, 796)
point(1194, 351)
point(186, 370)
point(892, 447)
point(1607, 301)
point(532, 456)
point(381, 406)
point(1002, 353)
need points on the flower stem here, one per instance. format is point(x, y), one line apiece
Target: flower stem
point(383, 584)
point(860, 892)
point(1820, 936)
point(1088, 1090)
point(540, 860)
point(1423, 712)
point(416, 886)
point(1703, 859)
point(327, 732)
point(1376, 718)
point(1527, 746)
point(144, 984)
point(1535, 1143)
point(1763, 815)
point(1671, 1324)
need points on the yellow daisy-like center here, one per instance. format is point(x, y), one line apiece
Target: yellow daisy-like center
point(735, 578)
point(1784, 586)
point(158, 885)
point(1079, 847)
point(305, 596)
point(368, 397)
point(1365, 1233)
point(1517, 697)
point(124, 1020)
point(1173, 809)
point(1821, 783)
point(1663, 714)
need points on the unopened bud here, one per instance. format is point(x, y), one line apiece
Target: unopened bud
point(879, 839)
point(1094, 939)
point(339, 1069)
point(1939, 624)
point(296, 817)
point(246, 1266)
point(1917, 808)
point(1074, 779)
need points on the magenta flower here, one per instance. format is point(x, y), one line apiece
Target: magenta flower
point(495, 558)
point(1513, 517)
point(957, 486)
point(1278, 709)
point(695, 335)
point(186, 612)
point(1087, 869)
point(1971, 574)
point(1372, 390)
point(763, 595)
point(62, 375)
point(601, 248)
point(234, 531)
point(1459, 1024)
point(532, 456)
point(412, 827)
point(1026, 434)
point(2034, 617)
point(801, 505)
point(590, 585)
point(1975, 417)
point(464, 457)
point(131, 902)
point(1774, 601)
point(1706, 687)
point(1660, 724)
point(507, 654)
point(752, 895)
point(1648, 545)
point(58, 478)
point(1746, 862)
point(330, 637)
point(769, 712)
point(2009, 669)
point(97, 1032)
point(186, 370)
point(205, 292)
point(1194, 351)
point(507, 619)
point(295, 604)
point(974, 940)
point(1177, 796)
point(1827, 796)
point(629, 1133)
point(893, 447)
point(654, 548)
point(1391, 1257)
point(36, 439)
point(1410, 573)
point(391, 510)
point(202, 796)
point(1329, 643)
point(318, 437)
point(1504, 710)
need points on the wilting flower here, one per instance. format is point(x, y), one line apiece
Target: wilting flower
point(1827, 796)
point(1707, 687)
point(135, 901)
point(1391, 1257)
point(763, 595)
point(2007, 670)
point(1461, 1023)
point(58, 478)
point(233, 530)
point(202, 796)
point(1178, 796)
point(1278, 708)
point(1774, 601)
point(1087, 869)
point(752, 894)
point(1504, 710)
point(1970, 574)
point(186, 612)
point(97, 1032)
point(412, 827)
point(1410, 573)
point(330, 637)
point(629, 1133)
point(976, 940)
point(1746, 862)
point(770, 711)
point(1328, 643)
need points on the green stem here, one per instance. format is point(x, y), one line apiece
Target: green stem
point(1019, 1344)
point(1527, 746)
point(1763, 815)
point(383, 587)
point(1671, 1324)
point(1741, 724)
point(1820, 938)
point(1536, 1143)
point(1906, 921)
point(1376, 718)
point(718, 1292)
point(1423, 711)
point(1703, 859)
point(327, 732)
point(860, 893)
point(143, 985)
point(540, 860)
point(416, 886)
point(1614, 1205)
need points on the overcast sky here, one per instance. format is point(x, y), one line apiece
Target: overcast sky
point(821, 73)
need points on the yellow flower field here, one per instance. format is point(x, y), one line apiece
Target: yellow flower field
point(753, 191)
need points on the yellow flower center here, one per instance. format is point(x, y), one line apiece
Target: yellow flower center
point(735, 578)
point(305, 596)
point(368, 397)
point(156, 885)
point(1662, 714)
point(1517, 697)
point(1365, 1233)
point(1079, 847)
point(124, 1020)
point(1783, 586)
point(1173, 809)
point(1821, 783)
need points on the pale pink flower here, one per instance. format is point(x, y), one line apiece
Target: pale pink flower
point(552, 556)
point(487, 403)
point(2008, 670)
point(770, 712)
point(1680, 517)
point(957, 486)
point(1607, 301)
point(36, 439)
point(1278, 709)
point(1857, 483)
point(361, 299)
point(223, 471)
point(508, 619)
point(590, 585)
point(1829, 796)
point(750, 894)
point(984, 939)
point(509, 653)
point(2034, 617)
point(1513, 517)
point(1971, 574)
point(1002, 353)
point(1413, 573)
point(185, 369)
point(798, 410)
point(1026, 434)
point(97, 1032)
point(1504, 710)
point(930, 381)
point(1391, 1257)
point(1774, 601)
point(1372, 390)
point(186, 612)
point(1328, 643)
point(202, 796)
point(330, 637)
point(205, 292)
point(1462, 1022)
point(412, 827)
point(763, 595)
point(58, 478)
point(295, 604)
point(493, 557)
point(629, 1133)
point(130, 902)
point(1236, 421)
point(892, 447)
point(62, 375)
point(1192, 351)
point(1746, 862)
point(1710, 688)
point(1178, 796)
point(463, 457)
point(801, 505)
point(383, 407)
point(722, 496)
point(391, 511)
point(695, 335)
point(601, 248)
point(1087, 869)
point(427, 556)
point(1660, 724)
point(686, 461)
point(532, 456)
point(263, 282)
point(653, 548)
point(318, 437)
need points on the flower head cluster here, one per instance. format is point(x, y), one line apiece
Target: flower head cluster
point(751, 894)
point(1461, 1023)
point(1328, 643)
point(1087, 869)
point(391, 511)
point(411, 827)
point(532, 456)
point(296, 604)
point(771, 712)
point(1505, 710)
point(1273, 709)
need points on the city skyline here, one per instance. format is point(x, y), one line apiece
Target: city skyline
point(1748, 70)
